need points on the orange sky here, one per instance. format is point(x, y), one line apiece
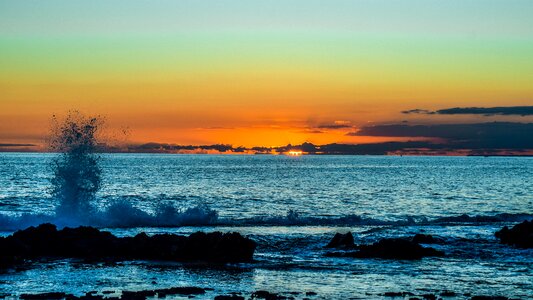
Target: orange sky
point(257, 75)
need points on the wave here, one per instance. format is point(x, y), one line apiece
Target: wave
point(118, 215)
point(122, 214)
point(293, 219)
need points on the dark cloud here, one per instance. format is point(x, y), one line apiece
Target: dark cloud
point(418, 111)
point(486, 111)
point(311, 131)
point(334, 126)
point(473, 136)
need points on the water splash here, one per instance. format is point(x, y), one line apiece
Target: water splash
point(77, 173)
point(77, 178)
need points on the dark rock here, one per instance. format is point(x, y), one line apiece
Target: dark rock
point(108, 292)
point(393, 294)
point(521, 235)
point(138, 295)
point(393, 248)
point(341, 241)
point(448, 294)
point(186, 290)
point(91, 297)
point(268, 296)
point(420, 238)
point(310, 293)
point(91, 243)
point(429, 297)
point(229, 297)
point(489, 298)
point(46, 296)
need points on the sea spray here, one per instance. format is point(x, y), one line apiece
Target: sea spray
point(77, 173)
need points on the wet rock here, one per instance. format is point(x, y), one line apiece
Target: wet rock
point(420, 238)
point(108, 292)
point(489, 298)
point(47, 296)
point(91, 243)
point(310, 293)
point(397, 294)
point(186, 290)
point(268, 296)
point(391, 248)
point(138, 295)
point(341, 241)
point(521, 235)
point(429, 297)
point(91, 297)
point(229, 297)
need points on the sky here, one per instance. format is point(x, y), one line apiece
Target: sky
point(261, 73)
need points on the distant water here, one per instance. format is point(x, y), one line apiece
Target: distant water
point(292, 206)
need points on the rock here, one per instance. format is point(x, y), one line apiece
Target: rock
point(489, 298)
point(521, 235)
point(420, 238)
point(187, 290)
point(91, 243)
point(46, 296)
point(397, 294)
point(229, 297)
point(448, 294)
point(138, 295)
point(391, 248)
point(341, 241)
point(268, 296)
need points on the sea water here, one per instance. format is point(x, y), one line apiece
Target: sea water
point(291, 206)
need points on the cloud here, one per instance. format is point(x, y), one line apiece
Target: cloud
point(334, 126)
point(486, 111)
point(418, 111)
point(472, 136)
point(340, 124)
point(311, 131)
point(17, 145)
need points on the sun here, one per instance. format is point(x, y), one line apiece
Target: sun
point(294, 153)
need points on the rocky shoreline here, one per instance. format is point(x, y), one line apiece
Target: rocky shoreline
point(193, 292)
point(46, 241)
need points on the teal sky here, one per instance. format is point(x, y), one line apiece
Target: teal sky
point(510, 18)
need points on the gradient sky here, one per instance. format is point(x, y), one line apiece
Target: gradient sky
point(258, 72)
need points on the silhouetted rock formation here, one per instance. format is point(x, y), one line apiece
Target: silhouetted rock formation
point(126, 295)
point(341, 241)
point(420, 238)
point(91, 243)
point(393, 248)
point(521, 235)
point(229, 297)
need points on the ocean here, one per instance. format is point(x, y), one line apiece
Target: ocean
point(292, 207)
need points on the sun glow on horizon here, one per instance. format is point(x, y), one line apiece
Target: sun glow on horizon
point(294, 153)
